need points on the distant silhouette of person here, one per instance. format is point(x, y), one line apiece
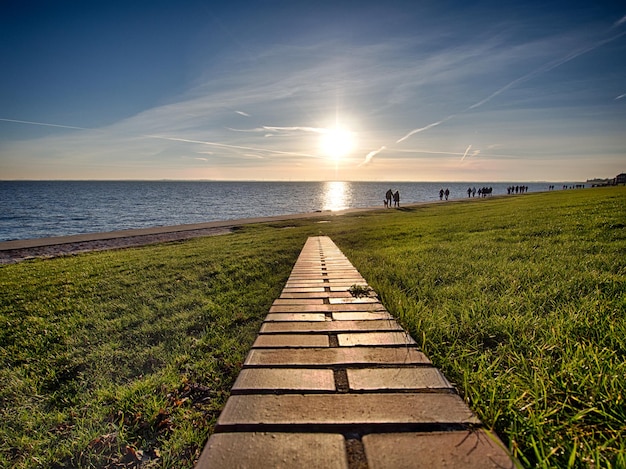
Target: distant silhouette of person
point(469, 192)
point(388, 197)
point(396, 199)
point(441, 194)
point(447, 193)
point(473, 192)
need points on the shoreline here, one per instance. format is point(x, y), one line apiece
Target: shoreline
point(24, 249)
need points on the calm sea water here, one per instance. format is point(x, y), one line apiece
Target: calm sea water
point(37, 209)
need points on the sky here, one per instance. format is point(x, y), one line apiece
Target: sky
point(327, 90)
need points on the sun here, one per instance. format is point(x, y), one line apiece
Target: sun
point(337, 143)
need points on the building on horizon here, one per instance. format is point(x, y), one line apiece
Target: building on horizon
point(620, 179)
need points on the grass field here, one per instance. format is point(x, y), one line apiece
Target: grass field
point(125, 358)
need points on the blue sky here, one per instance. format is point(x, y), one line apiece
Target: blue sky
point(423, 90)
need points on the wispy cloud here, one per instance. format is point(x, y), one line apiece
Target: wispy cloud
point(428, 152)
point(279, 130)
point(295, 129)
point(620, 22)
point(547, 67)
point(254, 130)
point(172, 139)
point(374, 83)
point(224, 145)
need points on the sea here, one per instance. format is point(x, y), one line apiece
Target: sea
point(41, 209)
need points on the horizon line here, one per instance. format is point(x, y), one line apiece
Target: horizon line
point(303, 180)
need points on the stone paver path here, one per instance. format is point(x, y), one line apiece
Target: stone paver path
point(332, 381)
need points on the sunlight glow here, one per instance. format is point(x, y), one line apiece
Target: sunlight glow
point(337, 195)
point(337, 143)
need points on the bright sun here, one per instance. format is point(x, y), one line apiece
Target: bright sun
point(336, 143)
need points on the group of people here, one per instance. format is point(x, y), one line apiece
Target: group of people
point(389, 195)
point(471, 192)
point(482, 192)
point(517, 190)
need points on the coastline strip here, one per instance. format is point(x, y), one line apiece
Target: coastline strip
point(158, 230)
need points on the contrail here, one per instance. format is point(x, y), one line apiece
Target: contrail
point(421, 129)
point(466, 151)
point(455, 153)
point(45, 124)
point(371, 155)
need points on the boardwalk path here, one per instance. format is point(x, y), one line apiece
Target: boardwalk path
point(332, 381)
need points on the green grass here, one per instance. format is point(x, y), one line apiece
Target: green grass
point(126, 357)
point(107, 354)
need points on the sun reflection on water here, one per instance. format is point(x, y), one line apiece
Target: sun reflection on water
point(337, 195)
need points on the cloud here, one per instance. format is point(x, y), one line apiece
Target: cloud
point(620, 96)
point(255, 130)
point(375, 83)
point(620, 22)
point(224, 145)
point(429, 152)
point(312, 89)
point(547, 67)
point(295, 129)
point(280, 130)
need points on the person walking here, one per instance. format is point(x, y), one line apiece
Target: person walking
point(396, 199)
point(388, 197)
point(447, 193)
